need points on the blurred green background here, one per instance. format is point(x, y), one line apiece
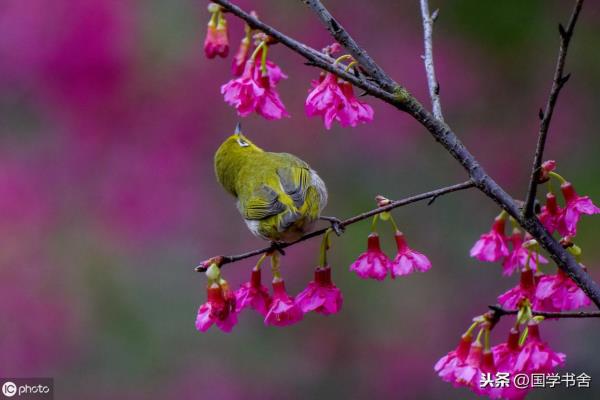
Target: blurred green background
point(109, 119)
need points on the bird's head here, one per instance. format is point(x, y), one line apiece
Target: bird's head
point(231, 155)
point(237, 145)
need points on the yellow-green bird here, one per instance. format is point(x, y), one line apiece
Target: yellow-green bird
point(279, 196)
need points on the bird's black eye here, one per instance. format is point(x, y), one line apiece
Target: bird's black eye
point(243, 143)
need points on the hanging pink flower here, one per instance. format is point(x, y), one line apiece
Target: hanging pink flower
point(407, 260)
point(283, 310)
point(519, 255)
point(467, 372)
point(325, 100)
point(357, 112)
point(373, 263)
point(559, 293)
point(524, 290)
point(333, 99)
point(253, 92)
point(219, 309)
point(550, 214)
point(536, 356)
point(491, 246)
point(575, 206)
point(448, 366)
point(216, 42)
point(241, 57)
point(321, 295)
point(505, 354)
point(505, 358)
point(253, 294)
point(273, 71)
point(244, 92)
point(270, 105)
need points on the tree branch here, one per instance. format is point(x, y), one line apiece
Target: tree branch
point(341, 35)
point(400, 98)
point(499, 312)
point(222, 260)
point(558, 82)
point(432, 82)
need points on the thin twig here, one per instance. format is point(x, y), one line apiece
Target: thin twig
point(400, 98)
point(432, 82)
point(558, 82)
point(222, 260)
point(499, 311)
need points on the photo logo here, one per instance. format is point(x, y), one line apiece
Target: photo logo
point(27, 388)
point(9, 389)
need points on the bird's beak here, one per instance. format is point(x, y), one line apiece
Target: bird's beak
point(238, 129)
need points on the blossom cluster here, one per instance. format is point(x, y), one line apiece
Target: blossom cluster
point(278, 308)
point(321, 295)
point(253, 88)
point(523, 352)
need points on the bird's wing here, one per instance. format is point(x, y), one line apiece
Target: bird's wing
point(263, 203)
point(295, 181)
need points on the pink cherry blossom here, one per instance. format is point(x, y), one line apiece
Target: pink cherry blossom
point(559, 293)
point(575, 206)
point(505, 358)
point(326, 99)
point(216, 42)
point(519, 255)
point(536, 356)
point(550, 214)
point(272, 70)
point(357, 112)
point(244, 92)
point(283, 310)
point(321, 295)
point(373, 263)
point(253, 294)
point(467, 372)
point(333, 99)
point(524, 290)
point(241, 57)
point(448, 366)
point(491, 246)
point(219, 309)
point(253, 92)
point(407, 260)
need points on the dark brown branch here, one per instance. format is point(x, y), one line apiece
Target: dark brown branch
point(315, 58)
point(499, 312)
point(222, 260)
point(341, 35)
point(401, 99)
point(558, 82)
point(432, 82)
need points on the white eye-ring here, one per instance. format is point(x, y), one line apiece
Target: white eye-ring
point(243, 143)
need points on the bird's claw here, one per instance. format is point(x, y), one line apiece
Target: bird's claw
point(336, 224)
point(276, 246)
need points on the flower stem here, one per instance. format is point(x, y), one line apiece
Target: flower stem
point(558, 177)
point(374, 223)
point(260, 261)
point(257, 49)
point(393, 222)
point(325, 244)
point(342, 58)
point(275, 267)
point(352, 64)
